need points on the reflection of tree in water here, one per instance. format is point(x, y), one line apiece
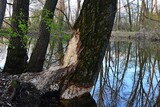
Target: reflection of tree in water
point(130, 77)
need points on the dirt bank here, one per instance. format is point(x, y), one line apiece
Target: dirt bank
point(142, 35)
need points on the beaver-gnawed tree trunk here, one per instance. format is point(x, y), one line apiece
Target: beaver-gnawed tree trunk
point(38, 55)
point(2, 10)
point(17, 53)
point(93, 30)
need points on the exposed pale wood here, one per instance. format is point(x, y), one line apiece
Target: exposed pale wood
point(70, 57)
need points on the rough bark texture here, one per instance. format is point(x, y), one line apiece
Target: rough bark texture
point(17, 52)
point(84, 100)
point(37, 90)
point(95, 26)
point(38, 55)
point(2, 11)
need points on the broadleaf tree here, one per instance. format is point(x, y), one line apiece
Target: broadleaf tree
point(38, 55)
point(17, 51)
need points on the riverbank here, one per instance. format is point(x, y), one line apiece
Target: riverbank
point(140, 36)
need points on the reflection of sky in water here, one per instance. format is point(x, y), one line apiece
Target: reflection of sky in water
point(115, 92)
point(3, 53)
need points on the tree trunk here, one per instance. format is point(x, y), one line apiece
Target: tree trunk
point(78, 8)
point(69, 10)
point(142, 13)
point(17, 52)
point(152, 6)
point(137, 18)
point(2, 10)
point(91, 40)
point(38, 55)
point(156, 7)
point(129, 13)
point(61, 28)
point(119, 16)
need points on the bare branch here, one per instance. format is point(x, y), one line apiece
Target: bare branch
point(65, 17)
point(155, 20)
point(9, 3)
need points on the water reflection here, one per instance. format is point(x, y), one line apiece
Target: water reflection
point(130, 75)
point(3, 53)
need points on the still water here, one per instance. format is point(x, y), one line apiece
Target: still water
point(130, 75)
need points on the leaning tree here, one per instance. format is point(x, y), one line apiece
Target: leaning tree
point(88, 45)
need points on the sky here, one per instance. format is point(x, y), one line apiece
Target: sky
point(38, 5)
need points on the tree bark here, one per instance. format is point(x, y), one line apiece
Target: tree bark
point(129, 13)
point(78, 8)
point(17, 53)
point(60, 52)
point(137, 18)
point(92, 38)
point(142, 13)
point(156, 7)
point(2, 10)
point(69, 10)
point(38, 55)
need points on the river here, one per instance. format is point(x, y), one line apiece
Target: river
point(130, 75)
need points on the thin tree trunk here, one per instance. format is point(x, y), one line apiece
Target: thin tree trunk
point(78, 8)
point(129, 13)
point(137, 20)
point(152, 6)
point(17, 53)
point(2, 11)
point(38, 55)
point(119, 15)
point(142, 13)
point(69, 10)
point(156, 7)
point(60, 36)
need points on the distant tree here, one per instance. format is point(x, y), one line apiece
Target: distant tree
point(156, 7)
point(38, 55)
point(78, 8)
point(143, 11)
point(129, 13)
point(61, 6)
point(2, 10)
point(69, 10)
point(17, 53)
